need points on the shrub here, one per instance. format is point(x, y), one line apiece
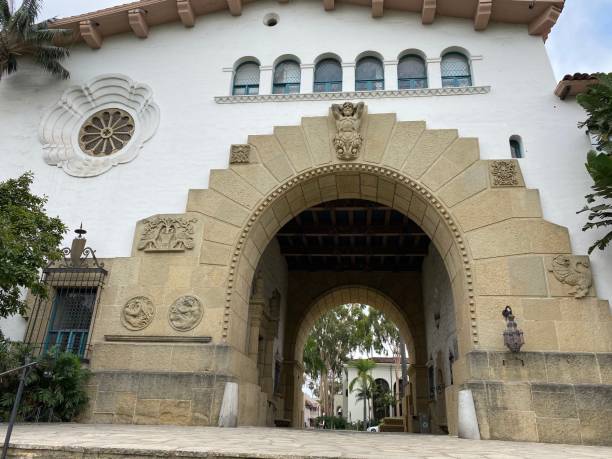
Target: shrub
point(55, 388)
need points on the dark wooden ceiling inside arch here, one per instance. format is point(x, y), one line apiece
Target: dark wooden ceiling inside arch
point(352, 235)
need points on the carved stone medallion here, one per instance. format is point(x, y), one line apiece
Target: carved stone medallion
point(240, 154)
point(348, 139)
point(167, 234)
point(185, 313)
point(573, 271)
point(106, 132)
point(137, 313)
point(504, 173)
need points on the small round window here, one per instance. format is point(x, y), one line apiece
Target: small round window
point(271, 19)
point(106, 132)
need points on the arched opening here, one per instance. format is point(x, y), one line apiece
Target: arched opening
point(343, 251)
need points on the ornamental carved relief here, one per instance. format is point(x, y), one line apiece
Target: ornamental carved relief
point(240, 154)
point(185, 313)
point(348, 139)
point(575, 272)
point(137, 313)
point(167, 234)
point(505, 173)
point(98, 125)
point(106, 132)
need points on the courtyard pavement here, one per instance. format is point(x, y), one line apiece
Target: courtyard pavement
point(256, 442)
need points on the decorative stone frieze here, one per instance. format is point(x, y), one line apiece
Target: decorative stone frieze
point(388, 94)
point(505, 173)
point(185, 313)
point(240, 154)
point(137, 313)
point(167, 234)
point(98, 125)
point(573, 271)
point(348, 139)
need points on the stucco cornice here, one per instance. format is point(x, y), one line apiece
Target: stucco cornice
point(389, 94)
point(138, 17)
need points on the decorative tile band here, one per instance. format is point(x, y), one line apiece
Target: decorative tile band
point(389, 94)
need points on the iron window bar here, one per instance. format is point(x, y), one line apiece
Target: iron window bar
point(370, 85)
point(245, 89)
point(286, 88)
point(412, 83)
point(328, 86)
point(456, 81)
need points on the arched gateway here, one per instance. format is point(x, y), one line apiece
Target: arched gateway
point(210, 274)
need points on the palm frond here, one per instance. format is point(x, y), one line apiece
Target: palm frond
point(25, 16)
point(51, 65)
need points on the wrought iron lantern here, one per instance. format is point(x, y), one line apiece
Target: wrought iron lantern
point(513, 336)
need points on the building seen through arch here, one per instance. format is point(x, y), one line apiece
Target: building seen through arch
point(233, 193)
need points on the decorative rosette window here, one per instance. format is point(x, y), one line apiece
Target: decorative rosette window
point(98, 125)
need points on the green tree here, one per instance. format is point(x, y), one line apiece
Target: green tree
point(29, 240)
point(21, 36)
point(364, 382)
point(597, 102)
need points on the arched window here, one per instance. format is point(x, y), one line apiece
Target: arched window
point(516, 146)
point(246, 79)
point(455, 70)
point(287, 75)
point(369, 75)
point(411, 72)
point(328, 76)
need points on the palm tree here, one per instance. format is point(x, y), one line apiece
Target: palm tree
point(20, 36)
point(365, 381)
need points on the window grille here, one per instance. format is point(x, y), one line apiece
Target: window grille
point(246, 79)
point(328, 76)
point(411, 73)
point(455, 70)
point(287, 75)
point(63, 318)
point(369, 75)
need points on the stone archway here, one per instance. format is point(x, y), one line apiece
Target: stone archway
point(486, 225)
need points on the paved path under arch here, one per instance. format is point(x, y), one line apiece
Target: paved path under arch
point(125, 441)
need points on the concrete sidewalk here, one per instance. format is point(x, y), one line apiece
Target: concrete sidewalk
point(136, 441)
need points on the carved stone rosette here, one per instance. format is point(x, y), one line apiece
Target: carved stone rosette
point(573, 271)
point(240, 154)
point(137, 313)
point(348, 139)
point(185, 313)
point(98, 125)
point(505, 173)
point(167, 234)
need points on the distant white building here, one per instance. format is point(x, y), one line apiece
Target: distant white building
point(386, 374)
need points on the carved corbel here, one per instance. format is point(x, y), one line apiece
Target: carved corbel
point(329, 5)
point(545, 22)
point(235, 7)
point(483, 14)
point(91, 33)
point(377, 8)
point(185, 12)
point(428, 13)
point(138, 22)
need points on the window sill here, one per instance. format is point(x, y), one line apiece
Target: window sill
point(385, 94)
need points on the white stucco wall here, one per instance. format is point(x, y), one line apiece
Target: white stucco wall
point(384, 371)
point(184, 67)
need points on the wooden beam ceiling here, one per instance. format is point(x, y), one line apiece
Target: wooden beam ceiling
point(352, 235)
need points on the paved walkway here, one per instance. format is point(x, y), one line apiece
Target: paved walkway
point(255, 442)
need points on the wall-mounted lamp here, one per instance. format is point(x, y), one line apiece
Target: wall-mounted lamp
point(513, 336)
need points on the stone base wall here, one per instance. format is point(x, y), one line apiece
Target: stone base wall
point(543, 396)
point(122, 397)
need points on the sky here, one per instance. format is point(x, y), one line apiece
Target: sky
point(580, 42)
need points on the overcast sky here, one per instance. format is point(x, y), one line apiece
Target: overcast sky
point(580, 42)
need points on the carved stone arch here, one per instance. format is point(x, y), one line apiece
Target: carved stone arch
point(337, 296)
